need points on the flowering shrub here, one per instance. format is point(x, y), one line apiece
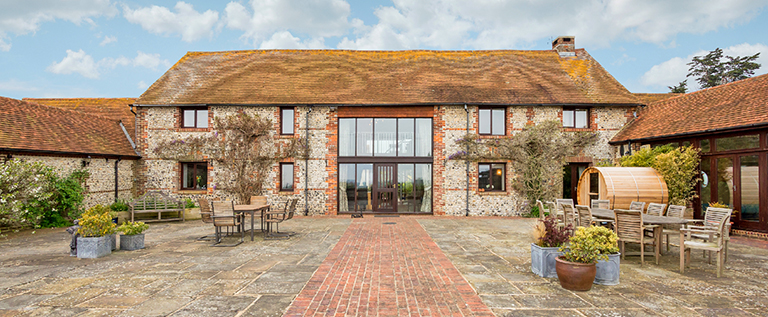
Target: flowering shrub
point(96, 222)
point(132, 228)
point(587, 244)
point(548, 234)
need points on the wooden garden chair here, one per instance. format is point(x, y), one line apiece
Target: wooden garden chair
point(656, 209)
point(676, 211)
point(542, 210)
point(224, 216)
point(716, 242)
point(629, 228)
point(205, 216)
point(570, 216)
point(586, 219)
point(637, 205)
point(276, 217)
point(711, 220)
point(602, 204)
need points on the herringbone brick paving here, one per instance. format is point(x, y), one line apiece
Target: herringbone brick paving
point(387, 267)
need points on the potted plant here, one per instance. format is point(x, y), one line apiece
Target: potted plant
point(576, 267)
point(95, 231)
point(548, 238)
point(121, 208)
point(191, 210)
point(607, 242)
point(133, 235)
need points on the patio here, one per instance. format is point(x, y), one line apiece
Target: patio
point(178, 276)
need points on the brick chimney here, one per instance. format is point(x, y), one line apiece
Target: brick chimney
point(565, 45)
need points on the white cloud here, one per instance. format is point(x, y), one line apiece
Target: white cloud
point(81, 63)
point(673, 71)
point(15, 85)
point(24, 17)
point(313, 18)
point(187, 22)
point(486, 24)
point(76, 62)
point(108, 39)
point(286, 40)
point(142, 85)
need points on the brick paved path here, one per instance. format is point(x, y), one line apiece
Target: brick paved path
point(386, 266)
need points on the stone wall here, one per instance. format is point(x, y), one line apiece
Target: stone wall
point(157, 124)
point(100, 186)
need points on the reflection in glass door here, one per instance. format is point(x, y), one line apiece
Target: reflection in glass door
point(749, 189)
point(385, 187)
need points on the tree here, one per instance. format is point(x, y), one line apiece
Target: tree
point(537, 155)
point(681, 88)
point(712, 71)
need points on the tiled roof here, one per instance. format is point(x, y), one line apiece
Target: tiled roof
point(735, 105)
point(114, 108)
point(648, 98)
point(386, 78)
point(26, 126)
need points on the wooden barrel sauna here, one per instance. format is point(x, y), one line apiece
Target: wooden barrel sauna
point(622, 185)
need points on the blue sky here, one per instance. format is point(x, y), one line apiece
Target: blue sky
point(104, 48)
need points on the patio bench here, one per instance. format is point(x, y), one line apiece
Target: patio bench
point(157, 203)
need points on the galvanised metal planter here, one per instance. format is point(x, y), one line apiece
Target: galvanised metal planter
point(608, 271)
point(113, 243)
point(543, 260)
point(132, 242)
point(93, 247)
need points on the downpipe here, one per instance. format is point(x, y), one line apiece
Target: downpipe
point(466, 210)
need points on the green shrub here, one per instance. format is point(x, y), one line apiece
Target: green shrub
point(132, 228)
point(585, 245)
point(25, 193)
point(96, 222)
point(119, 205)
point(189, 203)
point(678, 167)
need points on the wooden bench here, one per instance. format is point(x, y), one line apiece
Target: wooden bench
point(157, 202)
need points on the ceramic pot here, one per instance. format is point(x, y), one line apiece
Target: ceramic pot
point(575, 276)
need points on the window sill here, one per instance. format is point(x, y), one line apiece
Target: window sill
point(579, 129)
point(491, 136)
point(492, 193)
point(193, 129)
point(285, 192)
point(193, 191)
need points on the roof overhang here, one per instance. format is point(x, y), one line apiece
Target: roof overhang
point(736, 129)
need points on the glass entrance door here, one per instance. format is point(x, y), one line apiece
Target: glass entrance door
point(386, 186)
point(734, 180)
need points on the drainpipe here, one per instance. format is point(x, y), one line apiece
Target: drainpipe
point(116, 177)
point(306, 164)
point(466, 211)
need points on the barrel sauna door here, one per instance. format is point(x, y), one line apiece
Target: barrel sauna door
point(386, 188)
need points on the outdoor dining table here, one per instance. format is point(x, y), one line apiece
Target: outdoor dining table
point(252, 209)
point(647, 220)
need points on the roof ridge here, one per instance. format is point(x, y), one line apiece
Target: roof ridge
point(733, 83)
point(361, 51)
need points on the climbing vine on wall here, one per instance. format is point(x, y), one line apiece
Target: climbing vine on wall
point(537, 155)
point(244, 144)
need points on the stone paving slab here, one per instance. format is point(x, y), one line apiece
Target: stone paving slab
point(178, 276)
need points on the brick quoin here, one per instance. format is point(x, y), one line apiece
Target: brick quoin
point(331, 165)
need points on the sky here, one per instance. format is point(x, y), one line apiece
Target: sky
point(105, 48)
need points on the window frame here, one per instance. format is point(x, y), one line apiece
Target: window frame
point(293, 175)
point(282, 120)
point(490, 176)
point(490, 128)
point(197, 110)
point(196, 165)
point(574, 110)
point(397, 155)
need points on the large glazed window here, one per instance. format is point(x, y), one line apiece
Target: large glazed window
point(575, 118)
point(385, 137)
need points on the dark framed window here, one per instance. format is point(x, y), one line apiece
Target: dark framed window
point(194, 175)
point(491, 121)
point(286, 177)
point(491, 177)
point(286, 120)
point(194, 117)
point(577, 118)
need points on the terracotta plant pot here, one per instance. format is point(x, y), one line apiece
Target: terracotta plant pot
point(575, 276)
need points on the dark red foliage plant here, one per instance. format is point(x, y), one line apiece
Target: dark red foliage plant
point(549, 234)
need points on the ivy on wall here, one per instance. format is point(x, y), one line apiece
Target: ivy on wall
point(537, 155)
point(244, 145)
